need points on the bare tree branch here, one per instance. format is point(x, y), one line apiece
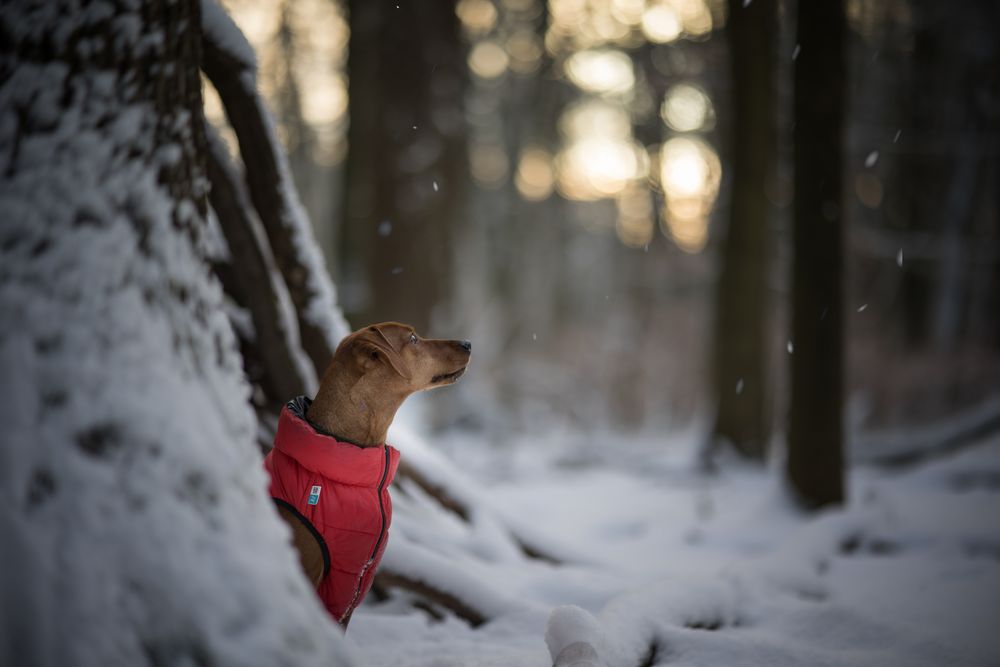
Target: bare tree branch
point(389, 579)
point(463, 508)
point(269, 184)
point(286, 372)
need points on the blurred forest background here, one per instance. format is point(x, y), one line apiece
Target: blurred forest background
point(555, 181)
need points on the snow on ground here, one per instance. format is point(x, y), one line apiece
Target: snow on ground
point(681, 568)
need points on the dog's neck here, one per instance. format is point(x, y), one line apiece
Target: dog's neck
point(350, 409)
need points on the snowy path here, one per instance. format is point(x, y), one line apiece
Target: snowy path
point(721, 571)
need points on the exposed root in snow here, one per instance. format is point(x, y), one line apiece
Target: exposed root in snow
point(252, 280)
point(388, 579)
point(432, 489)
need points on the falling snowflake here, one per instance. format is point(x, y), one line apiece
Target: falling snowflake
point(795, 51)
point(896, 138)
point(790, 347)
point(435, 186)
point(384, 228)
point(871, 159)
point(739, 386)
point(899, 257)
point(862, 307)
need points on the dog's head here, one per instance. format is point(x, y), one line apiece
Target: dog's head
point(394, 356)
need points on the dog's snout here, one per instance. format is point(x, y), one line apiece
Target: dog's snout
point(465, 345)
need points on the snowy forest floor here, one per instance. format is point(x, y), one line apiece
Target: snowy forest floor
point(681, 568)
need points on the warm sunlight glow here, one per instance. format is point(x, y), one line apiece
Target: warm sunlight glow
point(687, 108)
point(689, 175)
point(684, 169)
point(477, 16)
point(603, 72)
point(596, 168)
point(311, 64)
point(488, 164)
point(592, 118)
point(488, 60)
point(535, 178)
point(525, 51)
point(695, 16)
point(660, 24)
point(628, 12)
point(634, 224)
point(600, 157)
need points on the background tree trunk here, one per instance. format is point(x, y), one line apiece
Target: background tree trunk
point(815, 431)
point(406, 164)
point(740, 382)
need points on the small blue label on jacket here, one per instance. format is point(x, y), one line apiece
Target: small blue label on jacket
point(314, 495)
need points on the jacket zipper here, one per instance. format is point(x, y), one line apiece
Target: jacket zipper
point(378, 542)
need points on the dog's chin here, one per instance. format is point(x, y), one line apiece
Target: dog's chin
point(447, 378)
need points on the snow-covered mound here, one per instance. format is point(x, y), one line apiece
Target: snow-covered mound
point(135, 528)
point(679, 568)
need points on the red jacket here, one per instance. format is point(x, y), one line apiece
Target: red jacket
point(341, 492)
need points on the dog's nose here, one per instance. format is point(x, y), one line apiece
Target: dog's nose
point(467, 344)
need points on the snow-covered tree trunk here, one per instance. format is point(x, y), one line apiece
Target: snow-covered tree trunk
point(136, 527)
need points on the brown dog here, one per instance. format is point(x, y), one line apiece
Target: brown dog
point(373, 371)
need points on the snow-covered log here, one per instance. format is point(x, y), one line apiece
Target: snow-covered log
point(135, 524)
point(229, 63)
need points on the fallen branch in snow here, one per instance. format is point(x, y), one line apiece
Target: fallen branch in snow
point(441, 482)
point(388, 579)
point(253, 283)
point(905, 447)
point(434, 490)
point(450, 581)
point(228, 64)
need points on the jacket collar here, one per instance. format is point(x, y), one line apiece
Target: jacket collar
point(322, 453)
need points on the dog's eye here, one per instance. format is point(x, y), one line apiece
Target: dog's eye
point(413, 338)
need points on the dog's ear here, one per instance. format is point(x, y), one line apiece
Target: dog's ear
point(373, 349)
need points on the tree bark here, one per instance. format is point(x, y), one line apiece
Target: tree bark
point(128, 446)
point(739, 351)
point(406, 164)
point(254, 284)
point(286, 372)
point(815, 432)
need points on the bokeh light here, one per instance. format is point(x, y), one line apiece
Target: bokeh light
point(599, 156)
point(314, 70)
point(489, 164)
point(690, 173)
point(635, 226)
point(535, 178)
point(687, 108)
point(695, 15)
point(477, 16)
point(525, 51)
point(660, 24)
point(488, 60)
point(601, 71)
